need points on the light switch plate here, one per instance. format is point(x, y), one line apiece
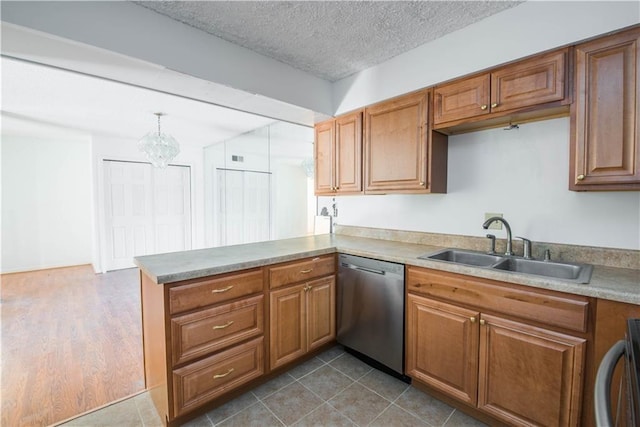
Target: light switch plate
point(495, 225)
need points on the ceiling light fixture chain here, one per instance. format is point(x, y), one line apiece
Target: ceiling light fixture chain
point(160, 148)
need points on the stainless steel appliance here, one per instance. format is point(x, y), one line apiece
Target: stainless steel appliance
point(628, 391)
point(370, 309)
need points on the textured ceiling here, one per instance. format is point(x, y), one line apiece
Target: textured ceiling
point(329, 39)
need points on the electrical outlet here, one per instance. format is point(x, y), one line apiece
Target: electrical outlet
point(495, 225)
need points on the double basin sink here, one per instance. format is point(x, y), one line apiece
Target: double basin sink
point(578, 273)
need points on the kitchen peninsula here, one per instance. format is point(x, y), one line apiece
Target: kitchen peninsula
point(242, 292)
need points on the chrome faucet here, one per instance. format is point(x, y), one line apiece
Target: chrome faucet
point(488, 222)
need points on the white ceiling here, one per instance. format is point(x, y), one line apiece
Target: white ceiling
point(62, 99)
point(329, 39)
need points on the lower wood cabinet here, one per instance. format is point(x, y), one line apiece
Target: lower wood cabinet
point(302, 317)
point(518, 372)
point(529, 375)
point(202, 338)
point(442, 347)
point(200, 382)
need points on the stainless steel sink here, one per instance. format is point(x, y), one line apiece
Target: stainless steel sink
point(579, 273)
point(460, 256)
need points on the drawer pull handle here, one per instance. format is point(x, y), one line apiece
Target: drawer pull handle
point(316, 259)
point(306, 271)
point(229, 323)
point(215, 377)
point(219, 291)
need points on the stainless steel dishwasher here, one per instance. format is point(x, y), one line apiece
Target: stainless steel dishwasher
point(370, 309)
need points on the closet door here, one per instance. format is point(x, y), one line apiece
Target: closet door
point(147, 211)
point(244, 214)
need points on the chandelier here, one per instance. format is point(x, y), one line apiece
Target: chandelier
point(160, 148)
point(308, 167)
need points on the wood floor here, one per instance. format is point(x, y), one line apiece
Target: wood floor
point(71, 342)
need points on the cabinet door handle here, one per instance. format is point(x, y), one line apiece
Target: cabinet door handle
point(472, 319)
point(581, 177)
point(229, 323)
point(482, 322)
point(494, 105)
point(215, 377)
point(306, 271)
point(483, 107)
point(219, 291)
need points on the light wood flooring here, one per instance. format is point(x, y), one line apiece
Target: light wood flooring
point(71, 342)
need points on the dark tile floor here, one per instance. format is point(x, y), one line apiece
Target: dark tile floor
point(332, 389)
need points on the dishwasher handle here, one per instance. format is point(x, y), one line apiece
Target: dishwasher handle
point(602, 390)
point(365, 269)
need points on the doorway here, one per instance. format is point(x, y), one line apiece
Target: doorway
point(147, 211)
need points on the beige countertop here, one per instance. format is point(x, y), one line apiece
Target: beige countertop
point(617, 284)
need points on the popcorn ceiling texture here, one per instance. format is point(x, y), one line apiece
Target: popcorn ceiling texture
point(329, 39)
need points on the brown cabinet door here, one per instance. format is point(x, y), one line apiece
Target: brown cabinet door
point(324, 157)
point(535, 81)
point(287, 325)
point(461, 99)
point(321, 312)
point(528, 375)
point(348, 153)
point(442, 347)
point(605, 116)
point(396, 144)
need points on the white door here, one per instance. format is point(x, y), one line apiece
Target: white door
point(147, 211)
point(244, 214)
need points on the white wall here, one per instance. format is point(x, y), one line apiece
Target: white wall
point(46, 202)
point(522, 174)
point(526, 29)
point(126, 150)
point(141, 33)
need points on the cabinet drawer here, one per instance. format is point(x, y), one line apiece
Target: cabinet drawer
point(214, 290)
point(200, 382)
point(549, 307)
point(298, 271)
point(196, 334)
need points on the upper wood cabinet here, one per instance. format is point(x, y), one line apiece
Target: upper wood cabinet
point(401, 153)
point(605, 154)
point(324, 157)
point(338, 155)
point(522, 86)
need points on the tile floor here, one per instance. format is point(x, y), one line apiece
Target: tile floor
point(332, 389)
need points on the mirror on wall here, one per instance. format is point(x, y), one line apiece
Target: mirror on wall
point(259, 186)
